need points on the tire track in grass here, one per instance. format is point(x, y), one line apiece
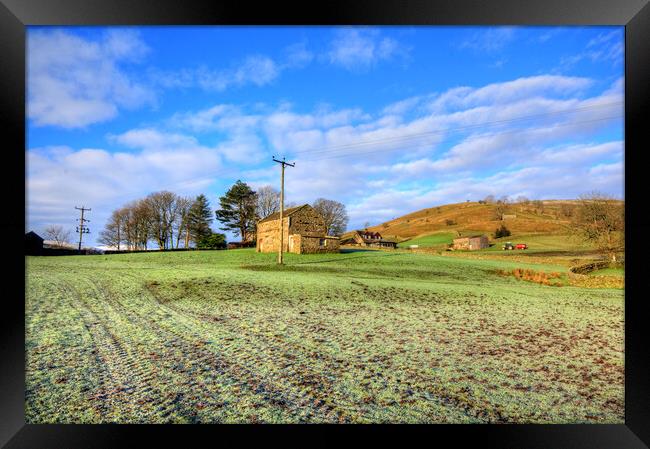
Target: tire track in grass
point(60, 366)
point(122, 390)
point(161, 407)
point(277, 391)
point(206, 362)
point(121, 375)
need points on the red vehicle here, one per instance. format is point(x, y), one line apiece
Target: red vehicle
point(521, 246)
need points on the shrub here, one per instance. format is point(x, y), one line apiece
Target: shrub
point(502, 232)
point(450, 222)
point(539, 277)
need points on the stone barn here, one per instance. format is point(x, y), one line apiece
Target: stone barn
point(471, 243)
point(304, 232)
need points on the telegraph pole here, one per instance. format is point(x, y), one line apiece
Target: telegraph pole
point(82, 228)
point(283, 164)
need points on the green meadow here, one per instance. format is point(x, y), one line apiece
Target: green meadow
point(356, 337)
point(439, 239)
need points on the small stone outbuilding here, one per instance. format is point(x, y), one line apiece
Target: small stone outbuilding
point(471, 243)
point(304, 232)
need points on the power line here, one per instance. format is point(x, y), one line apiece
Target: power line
point(493, 134)
point(449, 130)
point(400, 139)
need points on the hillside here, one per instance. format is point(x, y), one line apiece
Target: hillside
point(549, 217)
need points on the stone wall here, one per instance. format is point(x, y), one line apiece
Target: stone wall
point(589, 267)
point(307, 222)
point(320, 244)
point(462, 243)
point(268, 236)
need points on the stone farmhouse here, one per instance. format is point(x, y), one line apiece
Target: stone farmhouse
point(304, 232)
point(471, 243)
point(368, 239)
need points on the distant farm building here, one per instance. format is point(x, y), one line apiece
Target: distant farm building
point(304, 231)
point(471, 243)
point(33, 244)
point(53, 244)
point(368, 239)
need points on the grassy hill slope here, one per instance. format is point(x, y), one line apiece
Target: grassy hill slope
point(472, 217)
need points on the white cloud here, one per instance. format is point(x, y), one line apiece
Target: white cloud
point(73, 82)
point(490, 39)
point(149, 138)
point(604, 48)
point(508, 91)
point(298, 55)
point(256, 69)
point(358, 49)
point(551, 33)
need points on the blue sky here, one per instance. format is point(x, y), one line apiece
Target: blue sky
point(387, 120)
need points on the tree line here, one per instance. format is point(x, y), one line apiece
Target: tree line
point(164, 218)
point(173, 221)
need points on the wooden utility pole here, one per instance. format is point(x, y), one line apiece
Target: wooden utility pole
point(283, 164)
point(82, 228)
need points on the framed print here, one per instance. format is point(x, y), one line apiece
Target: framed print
point(412, 215)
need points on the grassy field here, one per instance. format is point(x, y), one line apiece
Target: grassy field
point(440, 239)
point(365, 336)
point(611, 271)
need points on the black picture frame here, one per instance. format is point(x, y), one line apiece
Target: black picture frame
point(15, 15)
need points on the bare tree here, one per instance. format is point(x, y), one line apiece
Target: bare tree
point(600, 220)
point(489, 199)
point(137, 224)
point(163, 210)
point(334, 214)
point(499, 210)
point(539, 206)
point(182, 222)
point(114, 231)
point(567, 210)
point(522, 200)
point(58, 234)
point(268, 201)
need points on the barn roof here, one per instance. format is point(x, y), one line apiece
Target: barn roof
point(33, 235)
point(287, 212)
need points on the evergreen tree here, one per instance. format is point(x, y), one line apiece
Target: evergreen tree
point(199, 219)
point(238, 211)
point(212, 241)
